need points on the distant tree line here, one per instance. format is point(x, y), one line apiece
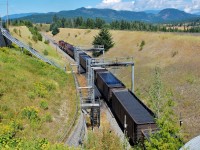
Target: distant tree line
point(192, 27)
point(99, 23)
point(36, 36)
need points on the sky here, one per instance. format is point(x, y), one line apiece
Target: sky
point(43, 6)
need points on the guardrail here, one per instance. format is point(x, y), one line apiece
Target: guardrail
point(76, 138)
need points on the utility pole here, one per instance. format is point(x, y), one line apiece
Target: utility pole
point(7, 15)
point(0, 21)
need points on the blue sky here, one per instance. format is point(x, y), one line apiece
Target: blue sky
point(25, 6)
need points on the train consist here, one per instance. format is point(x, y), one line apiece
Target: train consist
point(126, 107)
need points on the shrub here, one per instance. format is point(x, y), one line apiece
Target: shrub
point(34, 38)
point(142, 45)
point(31, 95)
point(45, 52)
point(40, 90)
point(44, 105)
point(55, 31)
point(174, 53)
point(48, 118)
point(30, 113)
point(50, 86)
point(15, 30)
point(16, 125)
point(46, 42)
point(20, 33)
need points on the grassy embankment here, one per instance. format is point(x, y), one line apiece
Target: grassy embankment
point(35, 97)
point(176, 54)
point(23, 34)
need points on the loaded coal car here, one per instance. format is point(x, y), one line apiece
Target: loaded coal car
point(106, 82)
point(83, 60)
point(96, 70)
point(138, 116)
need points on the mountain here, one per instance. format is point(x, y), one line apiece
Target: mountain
point(166, 15)
point(152, 11)
point(171, 14)
point(197, 13)
point(15, 16)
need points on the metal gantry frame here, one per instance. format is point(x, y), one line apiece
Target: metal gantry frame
point(93, 103)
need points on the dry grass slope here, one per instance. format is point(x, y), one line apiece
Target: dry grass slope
point(23, 34)
point(178, 55)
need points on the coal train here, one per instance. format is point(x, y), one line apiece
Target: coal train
point(126, 107)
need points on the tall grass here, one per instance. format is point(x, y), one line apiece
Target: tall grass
point(39, 96)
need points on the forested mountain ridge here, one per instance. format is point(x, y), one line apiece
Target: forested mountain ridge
point(164, 16)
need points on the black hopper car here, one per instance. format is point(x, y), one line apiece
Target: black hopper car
point(106, 82)
point(123, 102)
point(83, 60)
point(138, 116)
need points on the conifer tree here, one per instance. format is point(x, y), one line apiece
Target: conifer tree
point(103, 38)
point(168, 134)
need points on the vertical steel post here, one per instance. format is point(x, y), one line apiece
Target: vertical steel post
point(92, 83)
point(7, 16)
point(132, 78)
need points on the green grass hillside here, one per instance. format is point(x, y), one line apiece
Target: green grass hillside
point(36, 100)
point(177, 54)
point(23, 34)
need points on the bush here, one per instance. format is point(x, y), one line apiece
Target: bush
point(16, 125)
point(44, 105)
point(30, 113)
point(45, 52)
point(142, 45)
point(20, 33)
point(48, 118)
point(31, 95)
point(174, 53)
point(15, 30)
point(46, 42)
point(40, 90)
point(34, 38)
point(55, 31)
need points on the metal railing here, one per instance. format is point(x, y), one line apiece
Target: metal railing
point(80, 136)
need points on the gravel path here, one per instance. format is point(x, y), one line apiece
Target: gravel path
point(76, 137)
